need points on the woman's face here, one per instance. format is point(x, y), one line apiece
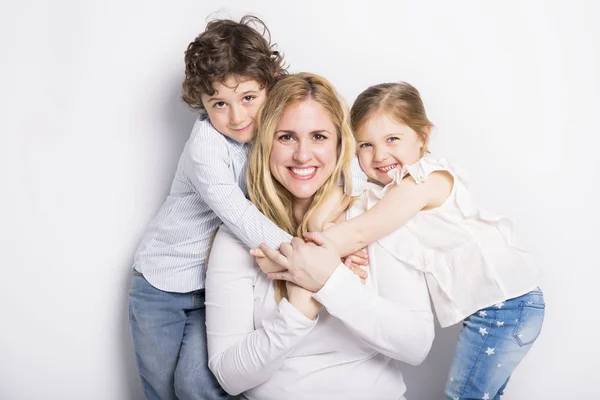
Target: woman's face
point(304, 151)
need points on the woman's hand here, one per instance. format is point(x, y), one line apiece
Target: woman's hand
point(309, 264)
point(302, 299)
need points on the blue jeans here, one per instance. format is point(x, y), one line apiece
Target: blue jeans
point(491, 344)
point(169, 338)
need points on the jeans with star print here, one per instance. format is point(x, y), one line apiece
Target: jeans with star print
point(491, 344)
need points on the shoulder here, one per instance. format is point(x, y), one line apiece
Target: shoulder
point(228, 253)
point(205, 140)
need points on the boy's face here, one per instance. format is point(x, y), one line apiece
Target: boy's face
point(233, 107)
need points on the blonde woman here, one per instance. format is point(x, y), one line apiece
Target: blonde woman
point(277, 340)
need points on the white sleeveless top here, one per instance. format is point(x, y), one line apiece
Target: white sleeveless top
point(470, 257)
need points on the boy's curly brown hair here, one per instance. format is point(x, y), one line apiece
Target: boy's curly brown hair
point(226, 48)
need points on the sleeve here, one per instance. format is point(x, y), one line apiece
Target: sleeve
point(359, 179)
point(207, 166)
point(392, 315)
point(240, 355)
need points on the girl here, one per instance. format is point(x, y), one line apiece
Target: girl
point(426, 217)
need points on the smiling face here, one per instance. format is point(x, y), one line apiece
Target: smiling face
point(304, 151)
point(385, 144)
point(233, 107)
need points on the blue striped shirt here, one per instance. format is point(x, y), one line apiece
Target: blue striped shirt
point(209, 188)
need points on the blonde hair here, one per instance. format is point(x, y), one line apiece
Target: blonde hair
point(271, 198)
point(400, 100)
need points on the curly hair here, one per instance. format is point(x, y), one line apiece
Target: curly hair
point(226, 48)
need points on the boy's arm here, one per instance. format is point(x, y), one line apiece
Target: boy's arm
point(207, 166)
point(400, 204)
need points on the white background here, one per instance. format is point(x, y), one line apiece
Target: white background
point(92, 126)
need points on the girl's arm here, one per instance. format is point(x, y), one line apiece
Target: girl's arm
point(400, 204)
point(240, 355)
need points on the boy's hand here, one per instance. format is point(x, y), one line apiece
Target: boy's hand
point(358, 271)
point(358, 259)
point(265, 264)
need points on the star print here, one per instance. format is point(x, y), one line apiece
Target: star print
point(490, 351)
point(499, 305)
point(452, 379)
point(486, 396)
point(482, 314)
point(483, 331)
point(499, 365)
point(500, 323)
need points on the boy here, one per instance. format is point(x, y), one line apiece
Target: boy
point(229, 67)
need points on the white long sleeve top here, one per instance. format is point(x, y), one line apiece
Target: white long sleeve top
point(353, 350)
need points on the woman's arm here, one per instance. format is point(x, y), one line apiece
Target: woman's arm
point(395, 320)
point(400, 204)
point(240, 355)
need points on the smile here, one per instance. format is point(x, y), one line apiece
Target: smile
point(303, 173)
point(244, 128)
point(387, 168)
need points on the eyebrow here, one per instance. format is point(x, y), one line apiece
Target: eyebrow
point(210, 99)
point(290, 132)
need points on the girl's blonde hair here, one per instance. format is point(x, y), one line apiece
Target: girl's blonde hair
point(271, 198)
point(400, 100)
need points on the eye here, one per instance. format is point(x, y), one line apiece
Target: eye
point(319, 137)
point(286, 137)
point(249, 98)
point(392, 139)
point(219, 104)
point(364, 145)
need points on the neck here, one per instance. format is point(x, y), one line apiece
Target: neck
point(300, 207)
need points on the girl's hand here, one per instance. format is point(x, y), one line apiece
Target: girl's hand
point(303, 301)
point(265, 264)
point(308, 264)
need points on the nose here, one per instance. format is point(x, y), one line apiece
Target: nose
point(237, 115)
point(380, 155)
point(303, 151)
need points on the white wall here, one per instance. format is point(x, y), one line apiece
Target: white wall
point(91, 128)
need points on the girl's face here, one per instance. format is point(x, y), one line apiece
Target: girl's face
point(304, 151)
point(385, 144)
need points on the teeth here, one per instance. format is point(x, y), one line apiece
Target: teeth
point(388, 168)
point(303, 171)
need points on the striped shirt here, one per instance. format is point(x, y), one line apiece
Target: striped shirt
point(209, 188)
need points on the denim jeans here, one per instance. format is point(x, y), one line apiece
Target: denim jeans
point(169, 338)
point(491, 344)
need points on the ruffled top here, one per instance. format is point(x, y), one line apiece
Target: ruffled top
point(470, 257)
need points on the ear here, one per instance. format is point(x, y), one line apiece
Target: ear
point(426, 135)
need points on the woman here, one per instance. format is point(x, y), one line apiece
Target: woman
point(276, 340)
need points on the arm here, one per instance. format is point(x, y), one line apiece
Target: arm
point(335, 205)
point(400, 204)
point(396, 320)
point(241, 356)
point(208, 169)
